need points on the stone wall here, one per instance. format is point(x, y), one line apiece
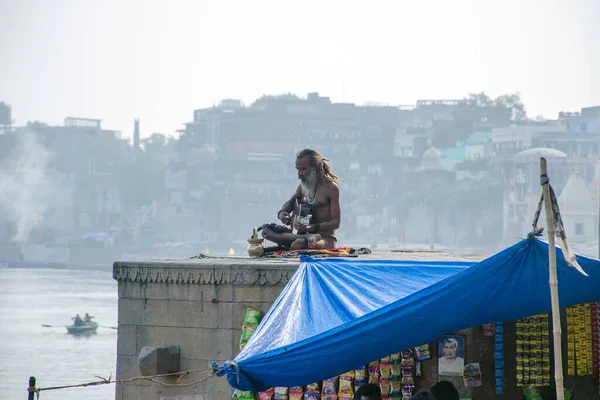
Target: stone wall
point(198, 305)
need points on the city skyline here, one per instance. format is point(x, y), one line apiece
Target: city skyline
point(159, 62)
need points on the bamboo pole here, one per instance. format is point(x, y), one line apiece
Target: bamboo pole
point(556, 329)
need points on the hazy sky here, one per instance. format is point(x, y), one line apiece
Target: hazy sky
point(159, 60)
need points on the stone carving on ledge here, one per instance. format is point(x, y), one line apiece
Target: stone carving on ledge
point(276, 275)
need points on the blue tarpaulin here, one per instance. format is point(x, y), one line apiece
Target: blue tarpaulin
point(337, 314)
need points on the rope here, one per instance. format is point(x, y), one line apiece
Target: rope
point(151, 378)
point(559, 226)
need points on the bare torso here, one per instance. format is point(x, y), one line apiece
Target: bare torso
point(320, 207)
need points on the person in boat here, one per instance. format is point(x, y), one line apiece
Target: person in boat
point(87, 318)
point(78, 320)
point(313, 210)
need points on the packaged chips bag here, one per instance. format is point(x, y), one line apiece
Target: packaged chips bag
point(360, 374)
point(281, 393)
point(385, 386)
point(532, 393)
point(242, 395)
point(247, 332)
point(422, 352)
point(313, 387)
point(329, 387)
point(346, 389)
point(312, 395)
point(252, 317)
point(267, 394)
point(296, 395)
point(385, 370)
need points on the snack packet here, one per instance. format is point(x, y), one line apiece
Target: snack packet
point(329, 386)
point(267, 394)
point(346, 385)
point(374, 374)
point(385, 386)
point(313, 387)
point(247, 332)
point(360, 374)
point(296, 395)
point(242, 395)
point(312, 395)
point(395, 358)
point(532, 393)
point(281, 393)
point(385, 370)
point(423, 352)
point(252, 317)
point(386, 359)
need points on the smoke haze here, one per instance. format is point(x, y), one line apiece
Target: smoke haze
point(22, 177)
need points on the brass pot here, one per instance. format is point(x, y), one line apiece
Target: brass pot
point(255, 248)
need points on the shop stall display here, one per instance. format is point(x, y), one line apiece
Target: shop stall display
point(533, 351)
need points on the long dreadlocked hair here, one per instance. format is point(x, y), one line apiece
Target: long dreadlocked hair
point(322, 165)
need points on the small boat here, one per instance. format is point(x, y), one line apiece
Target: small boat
point(86, 329)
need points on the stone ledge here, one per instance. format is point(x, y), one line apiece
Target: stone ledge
point(266, 272)
point(245, 270)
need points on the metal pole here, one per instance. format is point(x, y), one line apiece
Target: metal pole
point(556, 328)
point(31, 388)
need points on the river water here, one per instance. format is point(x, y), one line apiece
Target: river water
point(32, 297)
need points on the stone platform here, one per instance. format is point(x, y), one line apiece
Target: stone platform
point(199, 305)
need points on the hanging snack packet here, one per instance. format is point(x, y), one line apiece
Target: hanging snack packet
point(296, 395)
point(374, 374)
point(252, 317)
point(423, 352)
point(385, 370)
point(314, 387)
point(385, 386)
point(247, 332)
point(281, 393)
point(329, 386)
point(396, 370)
point(346, 385)
point(395, 358)
point(267, 394)
point(312, 395)
point(242, 395)
point(568, 393)
point(360, 374)
point(532, 393)
point(396, 387)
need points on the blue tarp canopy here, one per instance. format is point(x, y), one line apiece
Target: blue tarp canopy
point(337, 314)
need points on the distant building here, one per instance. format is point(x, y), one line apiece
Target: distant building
point(579, 211)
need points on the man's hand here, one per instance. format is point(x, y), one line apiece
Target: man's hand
point(284, 217)
point(301, 228)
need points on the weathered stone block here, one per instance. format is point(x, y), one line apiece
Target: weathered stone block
point(130, 311)
point(198, 343)
point(126, 340)
point(247, 293)
point(156, 360)
point(270, 293)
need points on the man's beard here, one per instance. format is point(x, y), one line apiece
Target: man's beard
point(309, 184)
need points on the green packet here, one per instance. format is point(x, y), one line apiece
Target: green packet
point(252, 317)
point(532, 393)
point(242, 394)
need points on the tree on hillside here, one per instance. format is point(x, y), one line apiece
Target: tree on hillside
point(512, 101)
